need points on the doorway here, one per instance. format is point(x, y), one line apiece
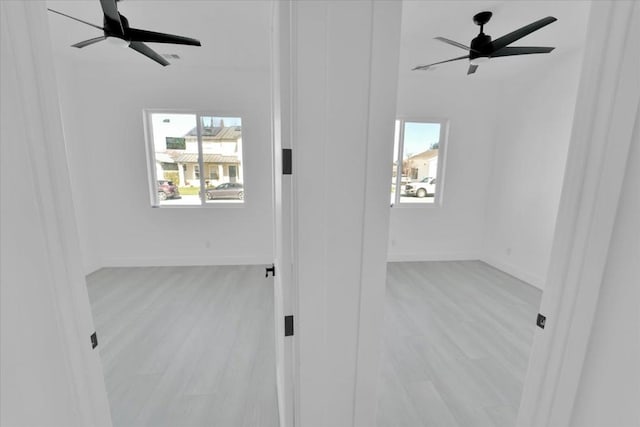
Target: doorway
point(494, 227)
point(186, 345)
point(171, 248)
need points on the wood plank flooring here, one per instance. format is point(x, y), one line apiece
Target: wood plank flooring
point(193, 346)
point(187, 346)
point(456, 345)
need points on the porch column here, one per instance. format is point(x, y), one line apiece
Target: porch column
point(181, 175)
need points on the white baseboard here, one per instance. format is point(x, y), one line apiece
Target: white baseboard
point(91, 265)
point(453, 256)
point(526, 276)
point(173, 261)
point(89, 269)
point(532, 279)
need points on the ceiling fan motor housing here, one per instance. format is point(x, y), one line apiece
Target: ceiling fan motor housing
point(480, 46)
point(116, 29)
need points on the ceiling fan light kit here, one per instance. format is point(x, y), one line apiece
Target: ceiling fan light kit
point(118, 42)
point(482, 48)
point(117, 31)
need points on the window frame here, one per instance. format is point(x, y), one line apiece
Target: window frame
point(438, 198)
point(151, 156)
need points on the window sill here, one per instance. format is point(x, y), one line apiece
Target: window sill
point(417, 205)
point(223, 205)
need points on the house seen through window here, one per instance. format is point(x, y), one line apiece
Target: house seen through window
point(417, 162)
point(194, 159)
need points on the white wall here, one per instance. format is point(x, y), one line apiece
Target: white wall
point(609, 390)
point(82, 186)
point(505, 159)
point(454, 230)
point(531, 139)
point(506, 152)
point(344, 59)
point(102, 104)
point(23, 286)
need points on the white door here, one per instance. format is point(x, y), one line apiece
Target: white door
point(51, 374)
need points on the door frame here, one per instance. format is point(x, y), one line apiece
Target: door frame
point(605, 114)
point(285, 292)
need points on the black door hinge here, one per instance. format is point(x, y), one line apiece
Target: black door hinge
point(288, 326)
point(94, 340)
point(287, 162)
point(271, 270)
point(541, 321)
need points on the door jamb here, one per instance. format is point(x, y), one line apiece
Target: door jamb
point(606, 110)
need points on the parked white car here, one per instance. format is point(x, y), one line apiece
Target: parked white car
point(423, 188)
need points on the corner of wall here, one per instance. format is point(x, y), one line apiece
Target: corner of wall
point(518, 272)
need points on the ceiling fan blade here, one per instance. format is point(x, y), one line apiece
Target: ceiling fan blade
point(110, 10)
point(472, 69)
point(453, 43)
point(501, 42)
point(76, 19)
point(521, 50)
point(153, 37)
point(148, 52)
point(88, 42)
point(426, 67)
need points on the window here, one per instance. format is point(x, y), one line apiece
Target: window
point(182, 145)
point(213, 172)
point(418, 159)
point(176, 143)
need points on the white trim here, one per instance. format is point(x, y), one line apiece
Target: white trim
point(216, 203)
point(442, 153)
point(606, 109)
point(152, 161)
point(398, 131)
point(149, 146)
point(399, 159)
point(200, 170)
point(177, 261)
point(384, 50)
point(291, 136)
point(532, 279)
point(525, 276)
point(284, 289)
point(92, 268)
point(431, 256)
point(340, 240)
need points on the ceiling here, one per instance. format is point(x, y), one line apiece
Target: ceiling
point(424, 20)
point(235, 34)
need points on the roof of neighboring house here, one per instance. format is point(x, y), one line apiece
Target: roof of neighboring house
point(425, 155)
point(207, 158)
point(225, 133)
point(164, 158)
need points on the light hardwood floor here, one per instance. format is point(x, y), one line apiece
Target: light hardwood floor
point(456, 345)
point(187, 346)
point(193, 346)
